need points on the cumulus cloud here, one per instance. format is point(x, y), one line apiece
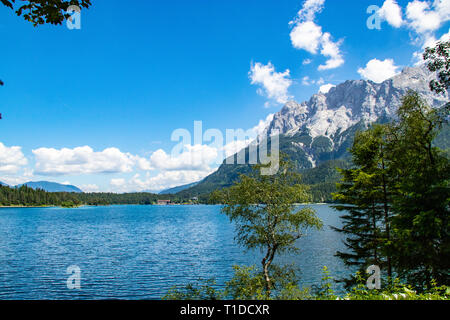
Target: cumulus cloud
point(193, 158)
point(379, 71)
point(90, 188)
point(307, 35)
point(425, 17)
point(274, 85)
point(331, 50)
point(11, 159)
point(163, 180)
point(310, 9)
point(392, 13)
point(326, 88)
point(83, 160)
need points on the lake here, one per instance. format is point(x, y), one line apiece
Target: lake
point(136, 252)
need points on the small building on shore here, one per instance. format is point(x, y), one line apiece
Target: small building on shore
point(164, 202)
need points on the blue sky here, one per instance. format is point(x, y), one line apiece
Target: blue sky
point(96, 107)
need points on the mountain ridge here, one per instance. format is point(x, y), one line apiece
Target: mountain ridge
point(51, 186)
point(321, 130)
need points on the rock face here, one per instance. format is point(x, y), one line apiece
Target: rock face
point(352, 103)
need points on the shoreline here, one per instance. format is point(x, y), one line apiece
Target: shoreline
point(110, 205)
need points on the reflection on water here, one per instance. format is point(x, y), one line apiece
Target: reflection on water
point(135, 252)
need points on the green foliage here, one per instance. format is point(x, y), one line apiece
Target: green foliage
point(396, 291)
point(24, 196)
point(396, 199)
point(40, 12)
point(325, 290)
point(199, 291)
point(363, 196)
point(438, 61)
point(262, 208)
point(68, 204)
point(248, 284)
point(421, 175)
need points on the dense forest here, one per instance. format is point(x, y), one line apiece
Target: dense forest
point(24, 196)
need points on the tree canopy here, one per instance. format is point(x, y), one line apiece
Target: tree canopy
point(264, 212)
point(40, 12)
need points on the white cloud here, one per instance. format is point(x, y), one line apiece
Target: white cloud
point(392, 13)
point(90, 188)
point(331, 49)
point(309, 10)
point(306, 81)
point(82, 160)
point(425, 18)
point(274, 84)
point(379, 71)
point(307, 35)
point(261, 127)
point(430, 42)
point(11, 159)
point(193, 158)
point(163, 180)
point(326, 88)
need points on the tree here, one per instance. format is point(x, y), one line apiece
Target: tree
point(438, 61)
point(397, 197)
point(363, 195)
point(421, 175)
point(40, 12)
point(263, 210)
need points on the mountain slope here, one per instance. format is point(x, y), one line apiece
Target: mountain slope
point(178, 189)
point(316, 133)
point(52, 187)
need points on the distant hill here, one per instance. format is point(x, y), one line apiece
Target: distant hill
point(52, 187)
point(3, 184)
point(178, 189)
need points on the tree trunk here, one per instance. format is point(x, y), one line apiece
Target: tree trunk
point(266, 262)
point(386, 220)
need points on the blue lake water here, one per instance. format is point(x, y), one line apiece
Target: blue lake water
point(136, 252)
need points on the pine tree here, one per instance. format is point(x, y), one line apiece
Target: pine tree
point(421, 173)
point(363, 196)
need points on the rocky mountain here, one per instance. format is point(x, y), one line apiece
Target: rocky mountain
point(331, 117)
point(317, 133)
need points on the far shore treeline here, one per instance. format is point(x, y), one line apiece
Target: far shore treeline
point(28, 197)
